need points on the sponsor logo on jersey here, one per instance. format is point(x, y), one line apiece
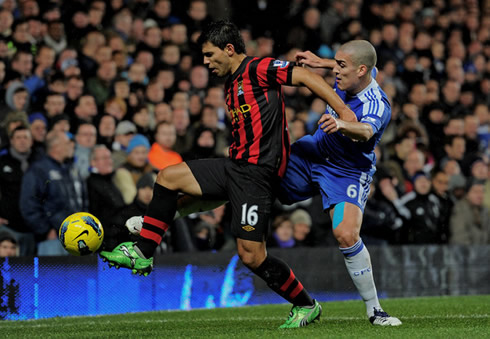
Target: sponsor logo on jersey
point(280, 63)
point(241, 112)
point(248, 228)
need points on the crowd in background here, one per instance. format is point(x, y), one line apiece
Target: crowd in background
point(96, 96)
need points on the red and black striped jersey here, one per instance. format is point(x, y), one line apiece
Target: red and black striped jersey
point(256, 106)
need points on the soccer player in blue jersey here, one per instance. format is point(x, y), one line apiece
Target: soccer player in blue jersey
point(338, 161)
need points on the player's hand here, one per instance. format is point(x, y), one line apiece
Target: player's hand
point(3, 221)
point(329, 124)
point(308, 59)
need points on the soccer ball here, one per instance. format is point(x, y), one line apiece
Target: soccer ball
point(81, 234)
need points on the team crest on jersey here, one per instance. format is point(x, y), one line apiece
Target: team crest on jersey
point(280, 63)
point(248, 228)
point(240, 88)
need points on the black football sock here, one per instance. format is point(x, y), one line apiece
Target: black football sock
point(159, 215)
point(280, 278)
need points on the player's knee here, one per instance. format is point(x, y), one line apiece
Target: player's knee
point(251, 259)
point(167, 178)
point(162, 178)
point(346, 237)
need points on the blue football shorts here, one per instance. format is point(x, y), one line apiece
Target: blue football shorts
point(308, 175)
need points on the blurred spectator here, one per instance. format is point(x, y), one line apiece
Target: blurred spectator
point(163, 112)
point(38, 126)
point(440, 190)
point(282, 233)
point(457, 186)
point(60, 123)
point(209, 119)
point(455, 147)
point(381, 221)
point(106, 129)
point(85, 140)
point(52, 190)
point(14, 162)
point(55, 37)
point(85, 111)
point(184, 131)
point(204, 145)
point(161, 13)
point(16, 99)
point(470, 219)
point(196, 18)
point(208, 231)
point(54, 105)
point(100, 85)
point(11, 121)
point(74, 90)
point(413, 164)
point(402, 147)
point(135, 166)
point(8, 245)
point(125, 130)
point(141, 119)
point(301, 227)
point(424, 222)
point(161, 154)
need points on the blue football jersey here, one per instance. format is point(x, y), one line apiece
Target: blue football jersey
point(370, 106)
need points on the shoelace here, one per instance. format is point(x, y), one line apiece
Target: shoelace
point(379, 313)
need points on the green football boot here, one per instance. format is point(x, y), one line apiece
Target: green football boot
point(124, 255)
point(302, 316)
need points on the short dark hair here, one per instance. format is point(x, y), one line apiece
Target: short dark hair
point(220, 33)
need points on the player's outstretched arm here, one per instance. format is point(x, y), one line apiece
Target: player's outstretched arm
point(312, 60)
point(358, 131)
point(304, 77)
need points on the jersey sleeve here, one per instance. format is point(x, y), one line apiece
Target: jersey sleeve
point(375, 113)
point(273, 72)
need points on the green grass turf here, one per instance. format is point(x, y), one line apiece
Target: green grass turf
point(435, 317)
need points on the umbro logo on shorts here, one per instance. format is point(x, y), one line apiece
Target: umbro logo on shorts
point(248, 228)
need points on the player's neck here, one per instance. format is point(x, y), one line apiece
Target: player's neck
point(237, 61)
point(361, 87)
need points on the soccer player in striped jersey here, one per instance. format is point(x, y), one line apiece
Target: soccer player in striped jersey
point(338, 161)
point(258, 158)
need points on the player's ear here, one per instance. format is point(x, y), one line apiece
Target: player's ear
point(362, 70)
point(230, 49)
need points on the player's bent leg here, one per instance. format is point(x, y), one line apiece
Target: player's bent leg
point(186, 205)
point(281, 279)
point(346, 224)
point(161, 210)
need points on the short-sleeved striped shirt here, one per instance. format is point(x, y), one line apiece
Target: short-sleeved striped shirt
point(256, 106)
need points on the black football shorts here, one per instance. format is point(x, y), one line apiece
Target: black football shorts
point(246, 186)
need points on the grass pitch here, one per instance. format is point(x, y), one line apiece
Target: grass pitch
point(435, 317)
